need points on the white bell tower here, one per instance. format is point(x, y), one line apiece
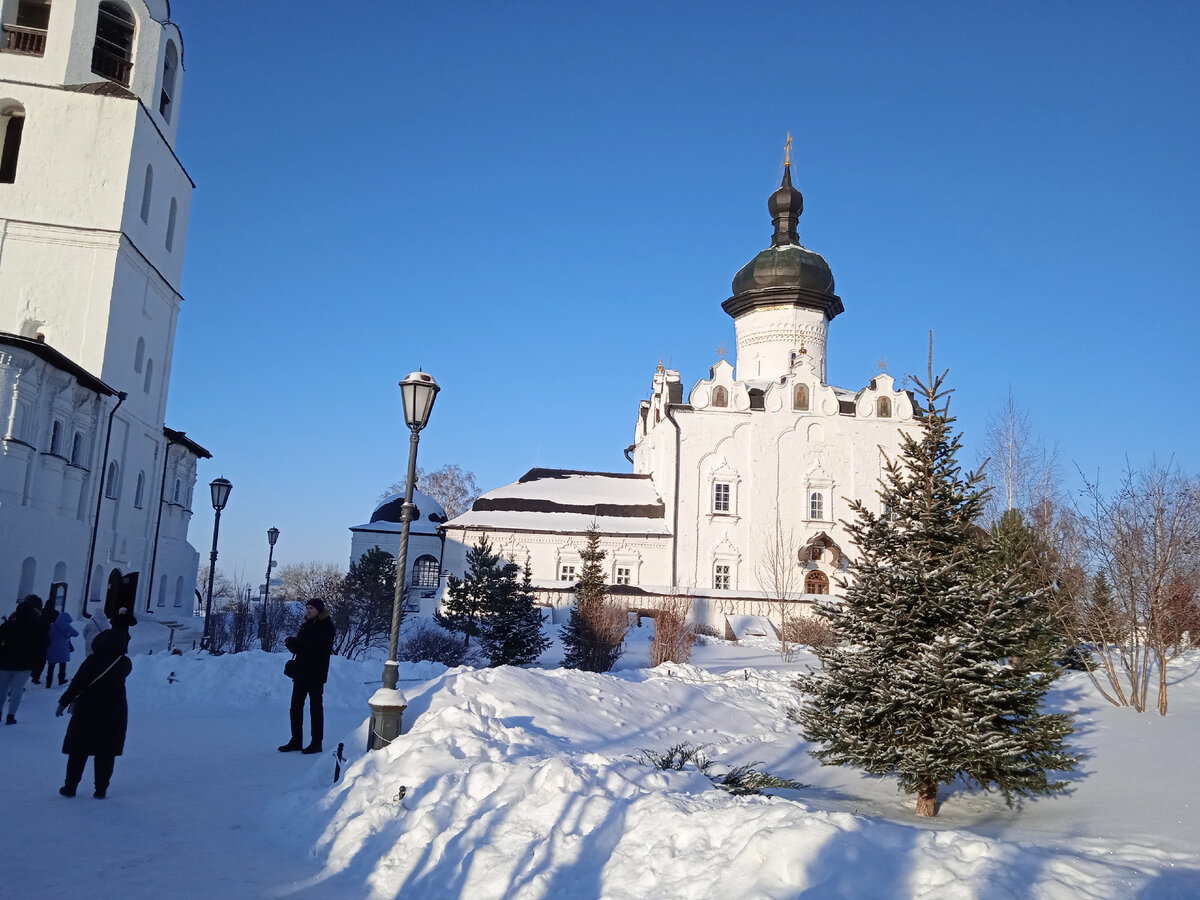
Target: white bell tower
point(93, 223)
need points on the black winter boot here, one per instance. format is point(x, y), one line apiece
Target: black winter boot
point(290, 746)
point(11, 720)
point(67, 790)
point(314, 747)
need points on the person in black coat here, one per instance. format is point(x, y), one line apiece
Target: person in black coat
point(49, 614)
point(99, 715)
point(313, 645)
point(22, 646)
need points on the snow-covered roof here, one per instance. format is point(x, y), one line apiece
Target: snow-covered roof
point(386, 517)
point(568, 501)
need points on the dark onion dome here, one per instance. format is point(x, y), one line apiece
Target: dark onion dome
point(787, 271)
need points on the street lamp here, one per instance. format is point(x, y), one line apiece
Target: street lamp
point(272, 537)
point(220, 488)
point(418, 391)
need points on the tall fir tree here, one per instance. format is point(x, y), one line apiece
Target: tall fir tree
point(942, 664)
point(469, 597)
point(595, 633)
point(512, 625)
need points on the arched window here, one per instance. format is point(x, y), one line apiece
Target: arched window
point(149, 375)
point(28, 576)
point(162, 591)
point(77, 449)
point(27, 35)
point(139, 355)
point(425, 571)
point(139, 490)
point(12, 126)
point(56, 429)
point(816, 505)
point(112, 482)
point(170, 241)
point(166, 99)
point(720, 397)
point(179, 591)
point(883, 408)
point(800, 397)
point(147, 191)
point(175, 496)
point(816, 583)
point(112, 54)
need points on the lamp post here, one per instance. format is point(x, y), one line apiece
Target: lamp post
point(418, 391)
point(220, 488)
point(272, 537)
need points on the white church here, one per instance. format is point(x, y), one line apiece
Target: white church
point(95, 491)
point(762, 446)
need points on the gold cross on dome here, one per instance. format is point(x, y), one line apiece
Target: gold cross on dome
point(787, 150)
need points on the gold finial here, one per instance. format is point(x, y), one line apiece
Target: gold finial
point(660, 367)
point(787, 150)
point(803, 349)
point(721, 351)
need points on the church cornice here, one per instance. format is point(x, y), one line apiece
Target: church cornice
point(740, 304)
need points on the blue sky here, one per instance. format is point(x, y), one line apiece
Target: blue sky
point(536, 202)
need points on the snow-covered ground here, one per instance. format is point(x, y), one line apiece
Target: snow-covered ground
point(527, 783)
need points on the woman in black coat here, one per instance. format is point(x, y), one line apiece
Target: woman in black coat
point(100, 713)
point(313, 645)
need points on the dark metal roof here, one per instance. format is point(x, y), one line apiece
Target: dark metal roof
point(539, 474)
point(44, 351)
point(181, 438)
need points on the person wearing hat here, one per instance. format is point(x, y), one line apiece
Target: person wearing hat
point(312, 646)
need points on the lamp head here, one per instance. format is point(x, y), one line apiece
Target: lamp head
point(220, 488)
point(418, 390)
point(272, 536)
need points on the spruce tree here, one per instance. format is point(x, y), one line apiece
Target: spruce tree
point(512, 624)
point(941, 664)
point(595, 633)
point(467, 598)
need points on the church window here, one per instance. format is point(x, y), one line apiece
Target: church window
point(883, 408)
point(624, 575)
point(721, 497)
point(166, 98)
point(800, 397)
point(139, 355)
point(566, 573)
point(816, 583)
point(139, 490)
point(722, 578)
point(175, 496)
point(113, 482)
point(171, 216)
point(720, 397)
point(28, 576)
point(27, 35)
point(425, 571)
point(112, 54)
point(56, 429)
point(162, 591)
point(12, 125)
point(147, 190)
point(179, 591)
point(816, 505)
point(77, 449)
point(757, 398)
point(149, 375)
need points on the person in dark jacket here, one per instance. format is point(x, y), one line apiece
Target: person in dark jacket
point(58, 650)
point(313, 645)
point(21, 647)
point(99, 715)
point(49, 614)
